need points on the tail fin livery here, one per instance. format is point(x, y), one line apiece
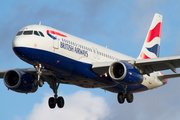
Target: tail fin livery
point(151, 44)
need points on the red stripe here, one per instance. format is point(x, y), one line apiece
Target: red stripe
point(144, 56)
point(55, 33)
point(155, 32)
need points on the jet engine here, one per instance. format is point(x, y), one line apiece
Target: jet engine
point(125, 73)
point(19, 81)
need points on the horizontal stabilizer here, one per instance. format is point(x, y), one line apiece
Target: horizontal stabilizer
point(161, 77)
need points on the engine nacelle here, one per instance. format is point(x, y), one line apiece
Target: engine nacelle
point(19, 81)
point(125, 73)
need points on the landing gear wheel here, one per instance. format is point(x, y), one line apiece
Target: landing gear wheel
point(129, 97)
point(54, 84)
point(52, 103)
point(41, 83)
point(120, 98)
point(60, 102)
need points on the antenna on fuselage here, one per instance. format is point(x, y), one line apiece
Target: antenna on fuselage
point(40, 23)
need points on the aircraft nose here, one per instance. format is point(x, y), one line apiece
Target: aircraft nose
point(16, 42)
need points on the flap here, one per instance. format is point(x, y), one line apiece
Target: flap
point(101, 68)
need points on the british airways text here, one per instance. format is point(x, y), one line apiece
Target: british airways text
point(74, 49)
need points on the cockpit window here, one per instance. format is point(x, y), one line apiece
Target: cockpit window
point(41, 33)
point(28, 33)
point(19, 33)
point(36, 33)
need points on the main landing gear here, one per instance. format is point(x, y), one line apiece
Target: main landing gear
point(128, 96)
point(125, 95)
point(53, 85)
point(55, 100)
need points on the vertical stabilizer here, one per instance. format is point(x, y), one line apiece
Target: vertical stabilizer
point(151, 44)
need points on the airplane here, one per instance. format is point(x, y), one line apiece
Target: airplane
point(61, 58)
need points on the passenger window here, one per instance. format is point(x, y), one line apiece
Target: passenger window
point(41, 33)
point(19, 33)
point(27, 32)
point(36, 33)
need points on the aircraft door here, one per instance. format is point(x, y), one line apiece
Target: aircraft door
point(56, 43)
point(96, 53)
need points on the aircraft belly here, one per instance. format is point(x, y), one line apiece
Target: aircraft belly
point(92, 83)
point(119, 88)
point(83, 82)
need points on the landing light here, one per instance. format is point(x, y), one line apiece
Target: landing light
point(105, 74)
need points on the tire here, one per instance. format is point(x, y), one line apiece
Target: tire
point(52, 103)
point(129, 97)
point(120, 98)
point(41, 83)
point(60, 102)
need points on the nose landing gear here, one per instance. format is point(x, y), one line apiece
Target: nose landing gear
point(39, 81)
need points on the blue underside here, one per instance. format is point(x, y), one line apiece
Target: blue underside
point(56, 63)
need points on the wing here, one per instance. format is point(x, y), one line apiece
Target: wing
point(30, 71)
point(146, 66)
point(158, 64)
point(46, 75)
